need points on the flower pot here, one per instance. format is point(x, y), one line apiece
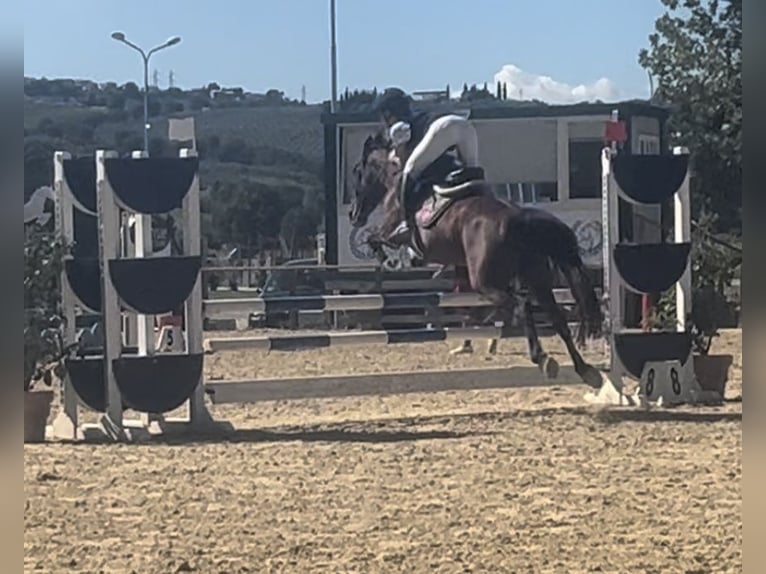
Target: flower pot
point(712, 371)
point(37, 407)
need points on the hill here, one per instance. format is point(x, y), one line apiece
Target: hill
point(268, 148)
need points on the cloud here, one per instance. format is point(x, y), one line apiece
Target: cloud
point(522, 85)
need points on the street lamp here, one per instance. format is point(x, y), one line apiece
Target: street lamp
point(120, 37)
point(333, 61)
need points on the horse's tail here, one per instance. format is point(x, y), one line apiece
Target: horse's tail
point(557, 240)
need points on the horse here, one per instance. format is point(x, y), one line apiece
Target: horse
point(504, 247)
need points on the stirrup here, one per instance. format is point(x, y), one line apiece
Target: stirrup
point(401, 232)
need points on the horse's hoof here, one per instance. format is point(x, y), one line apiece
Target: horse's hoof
point(592, 377)
point(550, 367)
point(462, 350)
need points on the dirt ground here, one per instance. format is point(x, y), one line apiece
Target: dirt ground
point(517, 481)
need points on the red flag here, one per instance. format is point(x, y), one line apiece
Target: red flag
point(616, 132)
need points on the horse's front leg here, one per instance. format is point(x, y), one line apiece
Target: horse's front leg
point(376, 244)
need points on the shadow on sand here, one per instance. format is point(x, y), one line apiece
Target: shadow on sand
point(442, 426)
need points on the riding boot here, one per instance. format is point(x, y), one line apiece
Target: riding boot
point(402, 235)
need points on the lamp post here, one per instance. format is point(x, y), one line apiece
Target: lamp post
point(120, 37)
point(333, 61)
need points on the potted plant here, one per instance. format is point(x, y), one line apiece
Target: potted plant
point(709, 307)
point(43, 342)
point(713, 266)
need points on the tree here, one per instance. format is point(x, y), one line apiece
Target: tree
point(131, 91)
point(198, 101)
point(274, 96)
point(695, 56)
point(115, 101)
point(505, 91)
point(247, 214)
point(236, 150)
point(126, 141)
point(38, 163)
point(498, 91)
point(155, 107)
point(297, 229)
point(173, 107)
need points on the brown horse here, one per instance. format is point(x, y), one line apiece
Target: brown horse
point(502, 245)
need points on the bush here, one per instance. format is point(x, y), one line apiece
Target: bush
point(43, 318)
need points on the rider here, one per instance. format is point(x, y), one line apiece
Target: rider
point(427, 139)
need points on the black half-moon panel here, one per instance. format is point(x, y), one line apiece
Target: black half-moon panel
point(80, 176)
point(635, 349)
point(651, 267)
point(649, 179)
point(157, 383)
point(151, 185)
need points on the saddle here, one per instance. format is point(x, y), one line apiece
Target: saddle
point(439, 196)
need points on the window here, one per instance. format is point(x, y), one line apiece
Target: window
point(527, 192)
point(585, 168)
point(648, 144)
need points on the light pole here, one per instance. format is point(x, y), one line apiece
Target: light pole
point(333, 61)
point(120, 37)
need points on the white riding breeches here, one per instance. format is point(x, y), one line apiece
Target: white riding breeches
point(443, 133)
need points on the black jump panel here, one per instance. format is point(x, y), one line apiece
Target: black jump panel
point(84, 278)
point(651, 267)
point(151, 185)
point(635, 349)
point(398, 336)
point(87, 377)
point(296, 343)
point(650, 179)
point(80, 176)
point(85, 234)
point(157, 384)
point(410, 300)
point(154, 285)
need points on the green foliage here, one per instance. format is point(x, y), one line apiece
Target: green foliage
point(474, 94)
point(272, 148)
point(43, 344)
point(357, 100)
point(695, 55)
point(38, 162)
point(713, 265)
point(247, 215)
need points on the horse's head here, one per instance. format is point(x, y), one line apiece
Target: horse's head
point(372, 178)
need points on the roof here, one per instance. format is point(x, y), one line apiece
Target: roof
point(510, 109)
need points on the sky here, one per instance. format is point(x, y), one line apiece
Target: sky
point(553, 50)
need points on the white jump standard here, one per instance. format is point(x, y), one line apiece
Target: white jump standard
point(660, 360)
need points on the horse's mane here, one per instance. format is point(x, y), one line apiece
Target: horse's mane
point(377, 141)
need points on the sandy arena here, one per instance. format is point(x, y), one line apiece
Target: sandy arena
point(517, 481)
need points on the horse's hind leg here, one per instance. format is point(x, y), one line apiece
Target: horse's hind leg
point(538, 356)
point(588, 373)
point(536, 275)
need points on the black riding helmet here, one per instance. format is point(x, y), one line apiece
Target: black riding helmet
point(393, 101)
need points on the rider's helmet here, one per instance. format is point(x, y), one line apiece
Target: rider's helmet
point(393, 103)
